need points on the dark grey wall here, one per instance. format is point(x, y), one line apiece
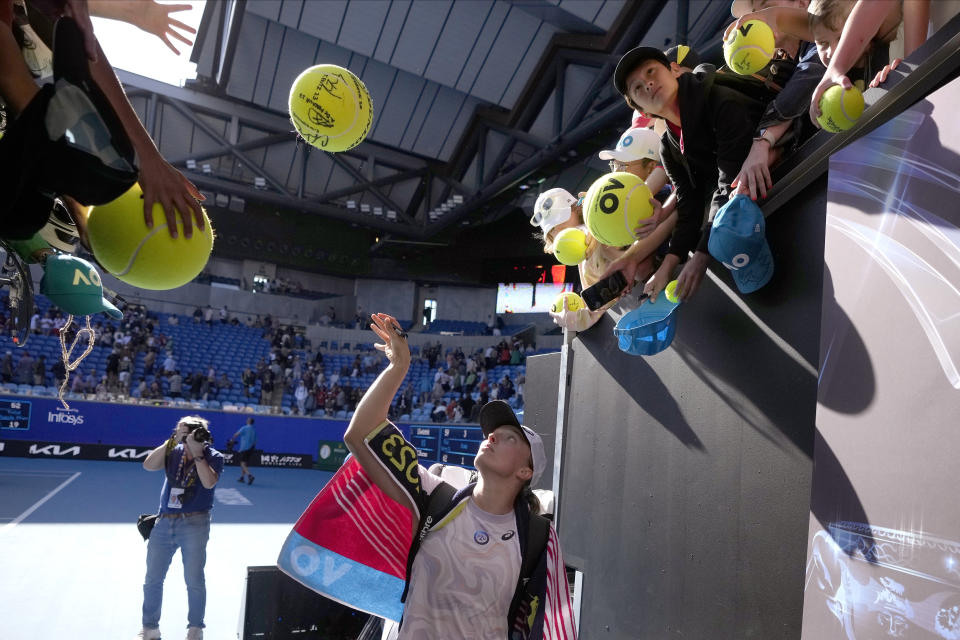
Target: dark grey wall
point(540, 394)
point(686, 481)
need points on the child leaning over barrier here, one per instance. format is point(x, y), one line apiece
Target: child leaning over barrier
point(710, 131)
point(556, 210)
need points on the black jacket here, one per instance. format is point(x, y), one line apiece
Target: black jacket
point(718, 129)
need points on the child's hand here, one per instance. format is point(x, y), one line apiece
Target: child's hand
point(754, 176)
point(768, 15)
point(657, 282)
point(648, 225)
point(829, 79)
point(579, 320)
point(692, 275)
point(881, 76)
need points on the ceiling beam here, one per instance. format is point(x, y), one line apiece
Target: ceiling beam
point(239, 155)
point(228, 187)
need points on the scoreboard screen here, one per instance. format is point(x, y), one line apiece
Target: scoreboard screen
point(14, 414)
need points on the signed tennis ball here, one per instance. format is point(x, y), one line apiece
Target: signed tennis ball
point(671, 291)
point(330, 107)
point(570, 246)
point(574, 302)
point(146, 258)
point(749, 48)
point(839, 108)
point(613, 206)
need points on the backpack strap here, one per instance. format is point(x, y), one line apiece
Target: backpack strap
point(439, 503)
point(537, 534)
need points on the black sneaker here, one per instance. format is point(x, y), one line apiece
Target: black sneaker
point(249, 479)
point(240, 479)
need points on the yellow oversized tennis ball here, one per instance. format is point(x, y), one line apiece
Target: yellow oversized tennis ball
point(330, 107)
point(840, 109)
point(613, 206)
point(574, 302)
point(570, 246)
point(749, 48)
point(146, 258)
point(671, 291)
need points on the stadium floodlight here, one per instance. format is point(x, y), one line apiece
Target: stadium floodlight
point(364, 208)
point(192, 165)
point(351, 204)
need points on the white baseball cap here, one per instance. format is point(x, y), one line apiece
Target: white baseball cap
point(553, 207)
point(635, 144)
point(498, 413)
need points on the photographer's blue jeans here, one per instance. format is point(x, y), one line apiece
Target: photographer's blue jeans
point(190, 535)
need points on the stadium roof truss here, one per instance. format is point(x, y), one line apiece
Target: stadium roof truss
point(474, 100)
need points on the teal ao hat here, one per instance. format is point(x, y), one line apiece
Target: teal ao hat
point(73, 284)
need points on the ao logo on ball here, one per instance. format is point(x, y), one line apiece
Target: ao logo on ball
point(613, 206)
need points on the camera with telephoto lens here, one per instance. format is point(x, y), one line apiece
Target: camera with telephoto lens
point(199, 431)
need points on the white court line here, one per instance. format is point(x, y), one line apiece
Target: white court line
point(28, 472)
point(38, 504)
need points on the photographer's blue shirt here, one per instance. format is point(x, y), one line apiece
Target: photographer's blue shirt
point(182, 490)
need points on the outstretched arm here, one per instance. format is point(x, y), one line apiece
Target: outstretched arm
point(372, 410)
point(148, 15)
point(160, 181)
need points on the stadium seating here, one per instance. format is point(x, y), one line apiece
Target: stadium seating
point(230, 349)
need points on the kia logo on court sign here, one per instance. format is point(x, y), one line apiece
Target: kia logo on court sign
point(54, 450)
point(128, 453)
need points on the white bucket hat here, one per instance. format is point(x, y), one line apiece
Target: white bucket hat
point(553, 207)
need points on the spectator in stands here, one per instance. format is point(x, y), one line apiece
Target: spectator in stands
point(113, 363)
point(125, 372)
point(196, 385)
point(46, 323)
point(223, 384)
point(208, 316)
point(35, 322)
point(40, 371)
point(320, 398)
point(141, 390)
point(59, 371)
point(175, 381)
point(154, 392)
point(266, 387)
point(224, 315)
point(197, 315)
point(301, 397)
point(516, 356)
point(90, 381)
point(169, 364)
point(249, 380)
point(24, 370)
point(173, 319)
point(716, 125)
point(149, 361)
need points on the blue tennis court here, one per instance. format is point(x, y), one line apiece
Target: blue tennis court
point(72, 560)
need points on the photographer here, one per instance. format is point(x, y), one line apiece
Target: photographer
point(192, 469)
